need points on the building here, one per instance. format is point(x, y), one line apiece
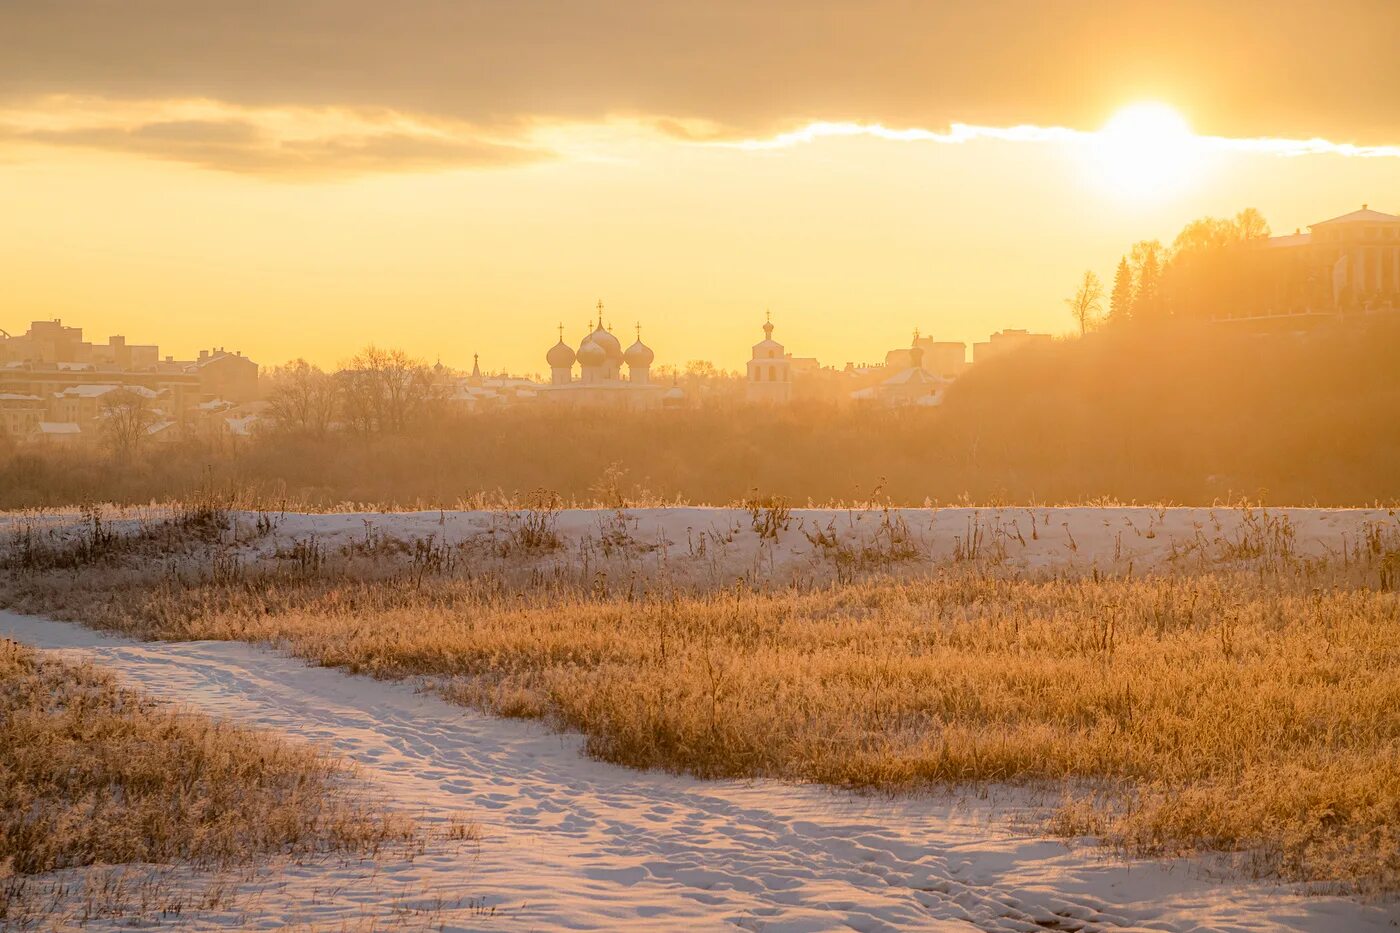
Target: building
point(225, 375)
point(946, 358)
point(21, 414)
point(769, 370)
point(1347, 265)
point(1004, 341)
point(69, 376)
point(600, 381)
point(911, 384)
point(478, 392)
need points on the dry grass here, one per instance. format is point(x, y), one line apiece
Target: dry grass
point(91, 773)
point(1249, 708)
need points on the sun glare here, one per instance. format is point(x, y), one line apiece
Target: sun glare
point(1146, 149)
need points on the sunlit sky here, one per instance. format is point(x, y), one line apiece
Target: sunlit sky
point(273, 197)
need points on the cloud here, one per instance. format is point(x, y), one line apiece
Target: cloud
point(959, 133)
point(1249, 68)
point(284, 143)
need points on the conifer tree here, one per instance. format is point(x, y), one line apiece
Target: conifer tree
point(1120, 301)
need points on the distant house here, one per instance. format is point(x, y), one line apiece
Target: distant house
point(1004, 341)
point(946, 358)
point(224, 375)
point(20, 414)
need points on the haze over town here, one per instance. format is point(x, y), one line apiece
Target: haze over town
point(300, 211)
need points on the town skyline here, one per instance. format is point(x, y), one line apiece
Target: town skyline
point(508, 340)
point(171, 186)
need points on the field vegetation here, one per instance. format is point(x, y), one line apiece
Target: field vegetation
point(94, 774)
point(1245, 705)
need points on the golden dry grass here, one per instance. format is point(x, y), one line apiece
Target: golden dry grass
point(1252, 708)
point(92, 773)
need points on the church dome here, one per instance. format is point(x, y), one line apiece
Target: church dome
point(560, 356)
point(610, 345)
point(639, 355)
point(590, 353)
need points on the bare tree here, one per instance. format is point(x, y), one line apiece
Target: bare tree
point(1087, 304)
point(303, 398)
point(384, 391)
point(126, 420)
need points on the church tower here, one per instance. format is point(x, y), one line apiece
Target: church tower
point(770, 370)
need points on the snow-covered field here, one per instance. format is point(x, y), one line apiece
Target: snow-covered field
point(720, 542)
point(571, 843)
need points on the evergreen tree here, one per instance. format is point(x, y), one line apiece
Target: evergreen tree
point(1147, 301)
point(1120, 301)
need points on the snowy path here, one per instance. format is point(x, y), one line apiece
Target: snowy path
point(572, 843)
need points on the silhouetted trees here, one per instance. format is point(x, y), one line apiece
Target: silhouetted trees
point(376, 392)
point(384, 391)
point(1086, 306)
point(1146, 258)
point(1120, 301)
point(126, 420)
point(1204, 274)
point(302, 398)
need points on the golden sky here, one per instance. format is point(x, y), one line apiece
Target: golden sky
point(302, 178)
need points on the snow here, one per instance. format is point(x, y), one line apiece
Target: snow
point(97, 390)
point(575, 844)
point(710, 543)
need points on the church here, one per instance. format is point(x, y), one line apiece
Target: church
point(769, 370)
point(600, 381)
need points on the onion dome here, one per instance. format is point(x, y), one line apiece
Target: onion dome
point(590, 354)
point(560, 356)
point(610, 345)
point(638, 355)
point(767, 343)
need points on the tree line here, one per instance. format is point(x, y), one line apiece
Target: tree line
point(1197, 277)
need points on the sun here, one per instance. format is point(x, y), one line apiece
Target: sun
point(1146, 150)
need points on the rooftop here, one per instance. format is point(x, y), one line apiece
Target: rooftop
point(1363, 216)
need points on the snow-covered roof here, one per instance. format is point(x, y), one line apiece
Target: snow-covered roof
point(913, 376)
point(59, 427)
point(1363, 216)
point(241, 427)
point(99, 389)
point(160, 427)
point(216, 404)
point(18, 397)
